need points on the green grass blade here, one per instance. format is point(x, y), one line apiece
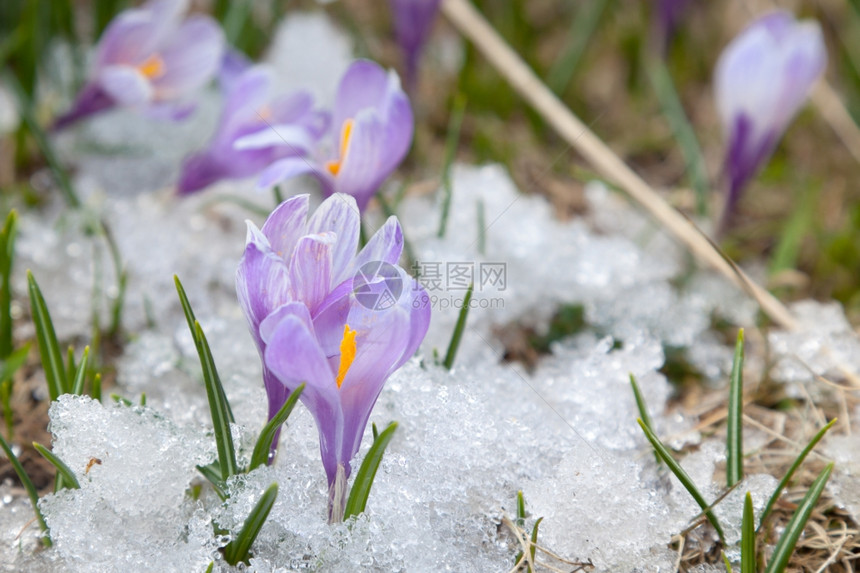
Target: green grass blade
point(71, 369)
point(211, 567)
point(81, 374)
point(783, 483)
point(49, 348)
point(237, 550)
point(726, 562)
point(13, 362)
point(212, 473)
point(28, 485)
point(7, 256)
point(785, 545)
point(96, 392)
point(582, 28)
point(367, 472)
point(451, 141)
point(69, 479)
point(734, 431)
point(682, 476)
point(457, 335)
point(748, 552)
point(640, 402)
point(521, 509)
point(684, 134)
point(191, 319)
point(219, 408)
point(264, 442)
point(533, 547)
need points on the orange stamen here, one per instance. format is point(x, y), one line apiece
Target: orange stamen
point(153, 67)
point(345, 133)
point(347, 353)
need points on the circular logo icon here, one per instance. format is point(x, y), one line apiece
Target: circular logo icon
point(377, 285)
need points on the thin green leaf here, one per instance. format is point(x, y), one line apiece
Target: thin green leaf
point(81, 375)
point(451, 141)
point(583, 25)
point(13, 362)
point(96, 392)
point(237, 550)
point(682, 476)
point(6, 404)
point(748, 551)
point(457, 335)
point(684, 133)
point(787, 250)
point(7, 256)
point(190, 318)
point(120, 400)
point(212, 473)
point(785, 545)
point(533, 547)
point(640, 402)
point(367, 472)
point(211, 567)
point(28, 485)
point(71, 368)
point(374, 430)
point(219, 408)
point(783, 483)
point(726, 562)
point(142, 400)
point(69, 479)
point(264, 442)
point(521, 509)
point(734, 431)
point(49, 348)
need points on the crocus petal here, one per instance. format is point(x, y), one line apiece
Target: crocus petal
point(363, 86)
point(198, 171)
point(385, 245)
point(245, 99)
point(286, 224)
point(338, 214)
point(191, 58)
point(92, 99)
point(761, 80)
point(135, 34)
point(294, 137)
point(261, 281)
point(379, 343)
point(125, 85)
point(310, 269)
point(233, 65)
point(294, 356)
point(413, 21)
point(284, 169)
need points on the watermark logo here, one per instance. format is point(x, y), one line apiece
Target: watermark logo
point(437, 276)
point(377, 285)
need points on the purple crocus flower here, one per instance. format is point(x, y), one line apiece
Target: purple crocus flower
point(666, 17)
point(762, 78)
point(320, 314)
point(413, 22)
point(371, 133)
point(148, 56)
point(251, 111)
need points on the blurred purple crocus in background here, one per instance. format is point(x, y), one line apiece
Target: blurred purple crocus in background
point(666, 18)
point(249, 110)
point(305, 294)
point(413, 22)
point(762, 78)
point(149, 57)
point(370, 134)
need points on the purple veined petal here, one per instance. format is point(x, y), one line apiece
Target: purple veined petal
point(191, 58)
point(286, 224)
point(380, 342)
point(291, 107)
point(287, 168)
point(400, 123)
point(416, 302)
point(363, 86)
point(331, 315)
point(385, 245)
point(295, 309)
point(310, 269)
point(338, 214)
point(128, 39)
point(199, 171)
point(262, 281)
point(294, 356)
point(294, 138)
point(125, 85)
